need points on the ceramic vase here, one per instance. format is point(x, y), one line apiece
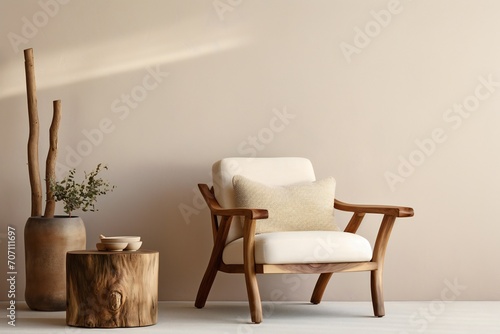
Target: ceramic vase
point(46, 242)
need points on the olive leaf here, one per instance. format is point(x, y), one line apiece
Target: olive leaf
point(80, 195)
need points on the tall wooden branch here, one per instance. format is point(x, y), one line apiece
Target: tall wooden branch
point(33, 165)
point(50, 166)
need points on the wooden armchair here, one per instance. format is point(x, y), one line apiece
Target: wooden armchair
point(275, 249)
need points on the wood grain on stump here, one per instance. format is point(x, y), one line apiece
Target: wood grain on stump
point(112, 289)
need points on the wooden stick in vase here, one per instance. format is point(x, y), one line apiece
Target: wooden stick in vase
point(50, 166)
point(33, 165)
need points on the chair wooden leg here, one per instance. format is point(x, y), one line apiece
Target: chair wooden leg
point(250, 274)
point(253, 297)
point(376, 283)
point(320, 287)
point(213, 264)
point(205, 286)
point(377, 290)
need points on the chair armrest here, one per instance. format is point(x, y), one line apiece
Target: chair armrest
point(390, 213)
point(397, 211)
point(216, 209)
point(245, 212)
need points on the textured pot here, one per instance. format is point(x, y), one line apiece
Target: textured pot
point(46, 242)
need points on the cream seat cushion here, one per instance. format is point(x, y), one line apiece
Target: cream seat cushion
point(296, 247)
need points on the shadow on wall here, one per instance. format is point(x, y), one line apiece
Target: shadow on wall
point(104, 58)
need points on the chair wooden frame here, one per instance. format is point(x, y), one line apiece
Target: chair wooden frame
point(250, 269)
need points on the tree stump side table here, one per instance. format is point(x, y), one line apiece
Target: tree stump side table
point(112, 289)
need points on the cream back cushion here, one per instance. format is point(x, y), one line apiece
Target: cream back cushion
point(270, 171)
point(296, 207)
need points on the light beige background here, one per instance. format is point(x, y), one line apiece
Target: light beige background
point(399, 100)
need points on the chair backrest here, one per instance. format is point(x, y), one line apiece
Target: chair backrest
point(271, 171)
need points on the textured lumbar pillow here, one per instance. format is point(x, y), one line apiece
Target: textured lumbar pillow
point(297, 207)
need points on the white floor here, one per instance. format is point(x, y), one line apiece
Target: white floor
point(290, 317)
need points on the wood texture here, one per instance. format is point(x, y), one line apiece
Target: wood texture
point(50, 166)
point(320, 287)
point(376, 282)
point(214, 263)
point(33, 164)
point(396, 211)
point(112, 289)
point(315, 268)
point(249, 267)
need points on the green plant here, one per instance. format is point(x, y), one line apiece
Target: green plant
point(80, 195)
